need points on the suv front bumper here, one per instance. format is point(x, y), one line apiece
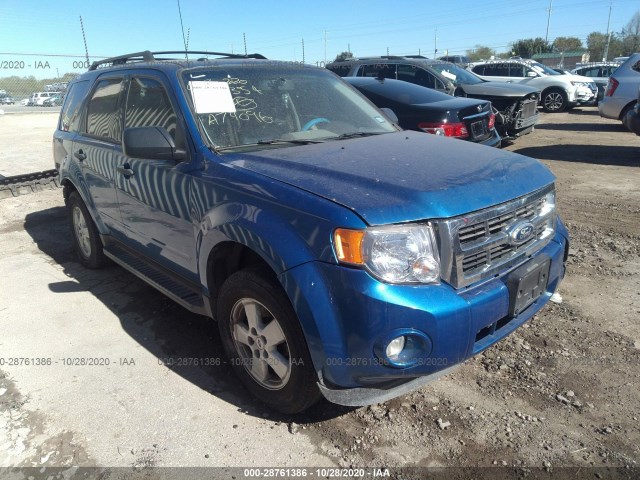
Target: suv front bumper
point(348, 316)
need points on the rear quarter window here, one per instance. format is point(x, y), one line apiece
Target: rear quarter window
point(70, 113)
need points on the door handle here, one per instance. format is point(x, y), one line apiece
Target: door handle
point(80, 155)
point(125, 170)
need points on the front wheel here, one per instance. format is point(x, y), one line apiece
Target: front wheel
point(554, 100)
point(264, 342)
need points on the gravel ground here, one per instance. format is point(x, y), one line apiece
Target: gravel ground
point(563, 391)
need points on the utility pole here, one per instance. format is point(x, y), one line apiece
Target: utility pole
point(606, 48)
point(244, 37)
point(435, 44)
point(303, 50)
point(325, 47)
point(546, 38)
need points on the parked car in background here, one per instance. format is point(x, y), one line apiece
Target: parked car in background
point(515, 106)
point(6, 100)
point(462, 60)
point(340, 256)
point(599, 73)
point(622, 90)
point(25, 101)
point(54, 101)
point(37, 98)
point(413, 70)
point(559, 92)
point(422, 109)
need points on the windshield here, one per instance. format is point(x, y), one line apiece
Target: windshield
point(540, 68)
point(459, 76)
point(253, 106)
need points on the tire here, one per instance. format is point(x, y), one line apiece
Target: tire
point(87, 243)
point(554, 100)
point(264, 342)
point(625, 110)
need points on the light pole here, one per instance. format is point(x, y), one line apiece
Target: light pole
point(546, 38)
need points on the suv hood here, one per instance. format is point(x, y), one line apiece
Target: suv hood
point(497, 89)
point(401, 177)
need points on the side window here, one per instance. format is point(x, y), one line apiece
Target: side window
point(378, 70)
point(517, 70)
point(340, 70)
point(413, 74)
point(478, 69)
point(148, 106)
point(70, 114)
point(103, 119)
point(496, 69)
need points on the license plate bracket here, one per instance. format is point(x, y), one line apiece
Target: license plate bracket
point(527, 283)
point(478, 129)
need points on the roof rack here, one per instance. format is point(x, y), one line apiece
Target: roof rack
point(148, 56)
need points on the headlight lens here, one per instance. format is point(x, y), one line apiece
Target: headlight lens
point(394, 254)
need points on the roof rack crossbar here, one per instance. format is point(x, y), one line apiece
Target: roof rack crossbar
point(148, 56)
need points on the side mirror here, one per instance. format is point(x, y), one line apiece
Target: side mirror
point(152, 143)
point(390, 115)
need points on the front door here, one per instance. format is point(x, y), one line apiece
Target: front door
point(154, 194)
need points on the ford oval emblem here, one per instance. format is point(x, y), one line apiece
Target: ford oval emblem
point(521, 232)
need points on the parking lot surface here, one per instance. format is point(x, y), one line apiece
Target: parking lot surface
point(97, 368)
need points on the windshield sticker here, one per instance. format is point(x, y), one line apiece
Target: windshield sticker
point(379, 119)
point(212, 97)
point(447, 74)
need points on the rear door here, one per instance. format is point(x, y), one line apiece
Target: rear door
point(95, 147)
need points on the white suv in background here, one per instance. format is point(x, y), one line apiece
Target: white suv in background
point(37, 98)
point(558, 91)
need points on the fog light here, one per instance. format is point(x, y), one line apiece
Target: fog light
point(395, 347)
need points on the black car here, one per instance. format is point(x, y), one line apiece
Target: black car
point(422, 109)
point(516, 106)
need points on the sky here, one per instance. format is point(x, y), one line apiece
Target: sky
point(45, 40)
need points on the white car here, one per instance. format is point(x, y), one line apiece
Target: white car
point(558, 91)
point(37, 98)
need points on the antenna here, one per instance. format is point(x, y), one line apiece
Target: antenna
point(186, 55)
point(84, 38)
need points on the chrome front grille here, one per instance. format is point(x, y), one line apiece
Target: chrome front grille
point(480, 245)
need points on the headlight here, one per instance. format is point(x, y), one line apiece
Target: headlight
point(394, 254)
point(548, 210)
point(580, 84)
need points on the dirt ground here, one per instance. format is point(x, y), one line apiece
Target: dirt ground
point(563, 391)
point(25, 136)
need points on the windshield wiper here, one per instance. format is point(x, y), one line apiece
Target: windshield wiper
point(299, 141)
point(344, 136)
point(275, 141)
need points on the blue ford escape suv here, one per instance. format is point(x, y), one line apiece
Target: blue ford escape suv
point(340, 256)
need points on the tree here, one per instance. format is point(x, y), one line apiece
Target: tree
point(597, 43)
point(631, 35)
point(528, 47)
point(480, 52)
point(343, 56)
point(567, 44)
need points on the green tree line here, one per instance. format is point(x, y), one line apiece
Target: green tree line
point(22, 87)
